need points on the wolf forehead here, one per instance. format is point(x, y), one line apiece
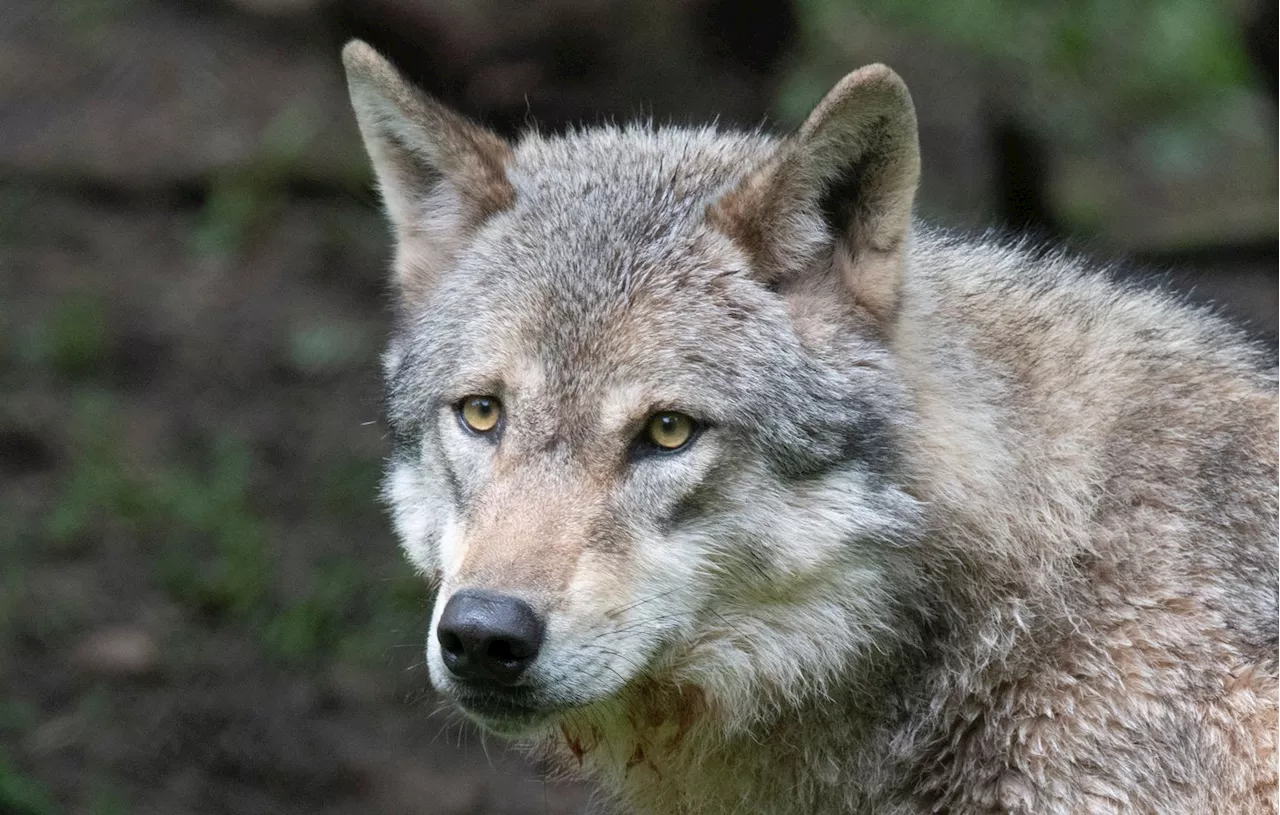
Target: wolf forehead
point(629, 186)
point(601, 264)
point(601, 220)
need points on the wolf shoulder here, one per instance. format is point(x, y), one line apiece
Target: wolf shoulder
point(1150, 404)
point(1071, 338)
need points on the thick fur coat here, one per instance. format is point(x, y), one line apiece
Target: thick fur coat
point(962, 526)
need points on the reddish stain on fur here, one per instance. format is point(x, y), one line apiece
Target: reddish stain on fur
point(693, 703)
point(637, 757)
point(657, 705)
point(574, 743)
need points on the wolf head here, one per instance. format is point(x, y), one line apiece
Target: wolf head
point(645, 423)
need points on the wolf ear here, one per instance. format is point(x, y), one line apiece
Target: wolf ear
point(441, 176)
point(850, 175)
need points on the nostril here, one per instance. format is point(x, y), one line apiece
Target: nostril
point(450, 643)
point(508, 652)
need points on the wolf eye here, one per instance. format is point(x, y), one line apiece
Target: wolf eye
point(669, 430)
point(480, 413)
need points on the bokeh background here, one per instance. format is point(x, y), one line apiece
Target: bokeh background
point(202, 609)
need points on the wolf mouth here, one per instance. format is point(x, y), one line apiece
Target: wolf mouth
point(506, 714)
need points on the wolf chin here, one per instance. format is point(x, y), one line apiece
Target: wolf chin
point(741, 491)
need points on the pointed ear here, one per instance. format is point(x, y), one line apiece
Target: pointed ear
point(441, 176)
point(844, 184)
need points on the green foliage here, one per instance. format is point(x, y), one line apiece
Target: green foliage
point(318, 347)
point(14, 542)
point(285, 139)
point(243, 198)
point(72, 340)
point(85, 17)
point(1093, 58)
point(16, 204)
point(16, 716)
point(211, 547)
point(345, 486)
point(20, 795)
point(312, 624)
point(236, 204)
point(214, 549)
point(196, 513)
point(106, 800)
point(211, 544)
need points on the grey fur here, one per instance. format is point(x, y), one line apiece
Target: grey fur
point(972, 528)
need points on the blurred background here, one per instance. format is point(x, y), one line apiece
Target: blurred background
point(202, 609)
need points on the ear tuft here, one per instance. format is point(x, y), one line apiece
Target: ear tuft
point(359, 58)
point(851, 170)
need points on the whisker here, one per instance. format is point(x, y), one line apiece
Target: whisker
point(640, 602)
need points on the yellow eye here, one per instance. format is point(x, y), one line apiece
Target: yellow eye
point(669, 430)
point(480, 413)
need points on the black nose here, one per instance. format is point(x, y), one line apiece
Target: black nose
point(488, 638)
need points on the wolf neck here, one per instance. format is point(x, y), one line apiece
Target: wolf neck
point(665, 749)
point(1005, 449)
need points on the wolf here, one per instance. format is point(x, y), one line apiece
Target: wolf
point(740, 490)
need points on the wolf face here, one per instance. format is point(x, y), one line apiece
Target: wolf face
point(626, 412)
